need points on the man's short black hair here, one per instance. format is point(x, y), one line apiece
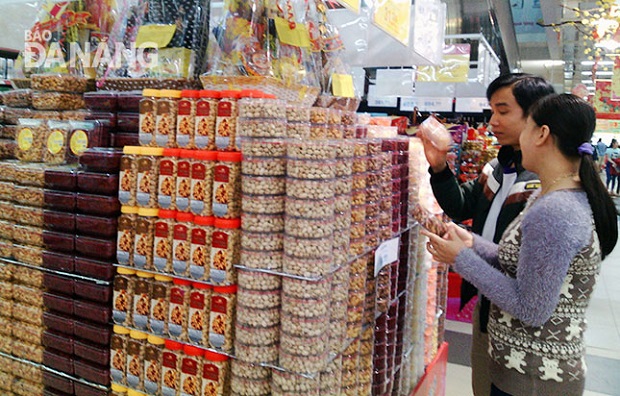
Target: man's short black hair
point(526, 88)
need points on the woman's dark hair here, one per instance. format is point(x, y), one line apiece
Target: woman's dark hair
point(526, 88)
point(572, 121)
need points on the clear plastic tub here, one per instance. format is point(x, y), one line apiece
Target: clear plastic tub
point(94, 268)
point(94, 332)
point(104, 249)
point(100, 159)
point(309, 228)
point(303, 364)
point(312, 149)
point(59, 221)
point(58, 341)
point(101, 100)
point(269, 260)
point(92, 291)
point(58, 361)
point(58, 284)
point(298, 130)
point(91, 352)
point(262, 241)
point(260, 353)
point(59, 322)
point(264, 204)
point(310, 209)
point(58, 304)
point(299, 288)
point(310, 189)
point(262, 108)
point(251, 335)
point(263, 185)
point(128, 122)
point(98, 313)
point(303, 345)
point(306, 249)
point(259, 299)
point(57, 101)
point(262, 127)
point(308, 169)
point(263, 147)
point(257, 318)
point(98, 205)
point(59, 242)
point(61, 178)
point(255, 280)
point(263, 166)
point(90, 372)
point(266, 223)
point(119, 139)
point(129, 101)
point(305, 307)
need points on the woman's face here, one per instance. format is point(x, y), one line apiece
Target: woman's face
point(507, 120)
point(527, 143)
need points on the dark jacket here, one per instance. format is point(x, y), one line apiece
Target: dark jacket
point(472, 200)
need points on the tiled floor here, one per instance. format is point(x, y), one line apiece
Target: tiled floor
point(602, 339)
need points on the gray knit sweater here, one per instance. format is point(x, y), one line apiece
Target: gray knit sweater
point(539, 280)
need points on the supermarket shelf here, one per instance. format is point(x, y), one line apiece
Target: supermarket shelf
point(51, 271)
point(60, 373)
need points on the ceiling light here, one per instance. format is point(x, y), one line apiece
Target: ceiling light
point(587, 81)
point(590, 88)
point(604, 73)
point(586, 73)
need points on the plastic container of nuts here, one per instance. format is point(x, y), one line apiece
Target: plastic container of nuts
point(251, 334)
point(259, 299)
point(255, 280)
point(263, 166)
point(302, 345)
point(261, 241)
point(263, 185)
point(262, 127)
point(308, 169)
point(301, 288)
point(302, 364)
point(255, 222)
point(264, 204)
point(57, 101)
point(309, 228)
point(258, 317)
point(298, 130)
point(310, 189)
point(309, 209)
point(59, 82)
point(306, 248)
point(263, 106)
point(263, 147)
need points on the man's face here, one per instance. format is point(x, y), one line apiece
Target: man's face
point(507, 119)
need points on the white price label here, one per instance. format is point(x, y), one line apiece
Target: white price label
point(386, 254)
point(471, 105)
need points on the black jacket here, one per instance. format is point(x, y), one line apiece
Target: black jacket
point(473, 199)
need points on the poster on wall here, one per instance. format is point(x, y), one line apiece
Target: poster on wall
point(454, 66)
point(606, 105)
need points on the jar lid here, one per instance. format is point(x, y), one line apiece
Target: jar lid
point(193, 351)
point(270, 96)
point(148, 212)
point(181, 282)
point(186, 153)
point(182, 216)
point(173, 345)
point(151, 92)
point(142, 274)
point(204, 220)
point(125, 271)
point(170, 93)
point(207, 93)
point(135, 150)
point(202, 286)
point(138, 335)
point(133, 392)
point(215, 357)
point(230, 94)
point(229, 156)
point(205, 155)
point(163, 278)
point(129, 209)
point(120, 329)
point(171, 152)
point(167, 214)
point(189, 93)
point(225, 289)
point(155, 151)
point(227, 223)
point(252, 93)
point(118, 388)
point(155, 340)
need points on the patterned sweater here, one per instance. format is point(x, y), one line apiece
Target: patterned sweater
point(540, 280)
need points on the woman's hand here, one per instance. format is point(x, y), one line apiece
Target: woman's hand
point(446, 249)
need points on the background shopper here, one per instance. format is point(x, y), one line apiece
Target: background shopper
point(612, 153)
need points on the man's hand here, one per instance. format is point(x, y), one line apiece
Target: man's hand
point(435, 157)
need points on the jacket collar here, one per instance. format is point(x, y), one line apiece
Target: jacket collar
point(510, 159)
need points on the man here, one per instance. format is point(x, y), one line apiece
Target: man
point(600, 152)
point(496, 197)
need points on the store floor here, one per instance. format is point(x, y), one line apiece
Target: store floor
point(602, 339)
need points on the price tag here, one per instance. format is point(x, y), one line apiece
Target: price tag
point(297, 36)
point(386, 254)
point(471, 105)
point(342, 85)
point(158, 34)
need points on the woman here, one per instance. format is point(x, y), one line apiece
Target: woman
point(612, 153)
point(540, 276)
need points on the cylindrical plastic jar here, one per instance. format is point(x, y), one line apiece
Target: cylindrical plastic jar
point(203, 165)
point(186, 118)
point(191, 370)
point(126, 235)
point(153, 351)
point(181, 240)
point(148, 116)
point(166, 186)
point(118, 354)
point(128, 175)
point(145, 233)
point(215, 374)
point(148, 171)
point(227, 185)
point(221, 321)
point(184, 180)
point(171, 368)
point(226, 120)
point(118, 390)
point(206, 113)
point(141, 300)
point(199, 310)
point(160, 297)
point(165, 132)
point(201, 239)
point(225, 251)
point(135, 359)
point(123, 291)
point(178, 309)
point(162, 243)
